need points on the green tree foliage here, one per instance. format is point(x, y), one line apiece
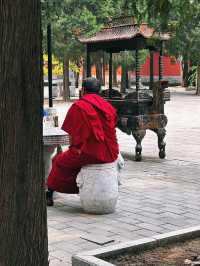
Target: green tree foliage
point(182, 18)
point(71, 18)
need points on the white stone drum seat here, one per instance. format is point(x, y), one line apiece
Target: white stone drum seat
point(98, 187)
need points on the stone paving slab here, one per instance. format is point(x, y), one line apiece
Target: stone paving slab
point(156, 196)
point(98, 257)
point(97, 239)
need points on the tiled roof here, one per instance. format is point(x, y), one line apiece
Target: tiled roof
point(124, 32)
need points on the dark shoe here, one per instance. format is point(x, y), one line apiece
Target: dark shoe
point(49, 198)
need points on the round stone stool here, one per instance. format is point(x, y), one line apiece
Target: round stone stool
point(98, 187)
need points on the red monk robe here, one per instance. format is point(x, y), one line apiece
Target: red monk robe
point(91, 124)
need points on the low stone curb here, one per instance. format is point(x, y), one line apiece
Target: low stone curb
point(94, 257)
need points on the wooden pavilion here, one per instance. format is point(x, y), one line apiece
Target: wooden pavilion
point(141, 109)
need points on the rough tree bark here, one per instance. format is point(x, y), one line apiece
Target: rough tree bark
point(23, 225)
point(66, 91)
point(198, 81)
point(84, 69)
point(77, 79)
point(185, 73)
point(79, 64)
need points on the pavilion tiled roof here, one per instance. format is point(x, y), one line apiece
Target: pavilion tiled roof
point(115, 32)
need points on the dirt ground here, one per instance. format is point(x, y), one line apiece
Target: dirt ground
point(171, 255)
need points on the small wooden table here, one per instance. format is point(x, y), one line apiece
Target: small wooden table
point(53, 137)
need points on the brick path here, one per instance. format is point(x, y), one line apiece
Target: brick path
point(156, 196)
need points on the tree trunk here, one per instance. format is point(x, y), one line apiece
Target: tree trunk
point(66, 89)
point(185, 73)
point(77, 79)
point(84, 70)
point(198, 81)
point(23, 221)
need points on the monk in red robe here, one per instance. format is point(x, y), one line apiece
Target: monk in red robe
point(90, 123)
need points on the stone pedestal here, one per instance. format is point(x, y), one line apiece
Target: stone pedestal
point(98, 187)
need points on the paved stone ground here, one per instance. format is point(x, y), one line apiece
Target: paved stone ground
point(156, 196)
